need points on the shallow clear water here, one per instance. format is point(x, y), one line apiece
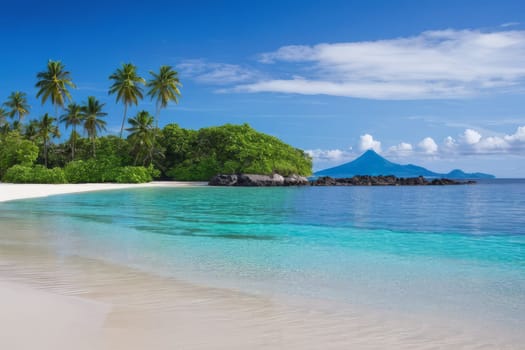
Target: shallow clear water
point(458, 251)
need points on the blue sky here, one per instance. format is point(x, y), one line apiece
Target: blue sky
point(437, 83)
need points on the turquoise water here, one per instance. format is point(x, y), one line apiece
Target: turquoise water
point(457, 251)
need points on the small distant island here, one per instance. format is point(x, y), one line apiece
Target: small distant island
point(371, 163)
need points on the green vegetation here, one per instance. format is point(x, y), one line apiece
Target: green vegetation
point(126, 84)
point(164, 86)
point(230, 149)
point(29, 152)
point(36, 174)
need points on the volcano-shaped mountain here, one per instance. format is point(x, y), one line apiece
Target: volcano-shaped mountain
point(371, 163)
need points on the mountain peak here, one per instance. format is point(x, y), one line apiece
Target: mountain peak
point(371, 158)
point(370, 154)
point(371, 163)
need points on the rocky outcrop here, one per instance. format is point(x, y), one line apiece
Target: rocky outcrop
point(295, 180)
point(389, 180)
point(223, 180)
point(254, 180)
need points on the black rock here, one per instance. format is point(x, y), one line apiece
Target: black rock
point(255, 180)
point(381, 180)
point(223, 180)
point(295, 180)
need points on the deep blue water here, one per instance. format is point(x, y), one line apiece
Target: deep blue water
point(454, 250)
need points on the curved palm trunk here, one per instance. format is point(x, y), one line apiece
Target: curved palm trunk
point(45, 152)
point(123, 119)
point(73, 141)
point(93, 146)
point(157, 114)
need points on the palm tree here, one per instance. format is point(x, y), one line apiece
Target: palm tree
point(4, 129)
point(142, 136)
point(17, 103)
point(3, 115)
point(72, 117)
point(17, 126)
point(91, 114)
point(47, 130)
point(4, 125)
point(164, 86)
point(32, 130)
point(53, 84)
point(126, 84)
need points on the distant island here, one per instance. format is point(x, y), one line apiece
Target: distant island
point(372, 164)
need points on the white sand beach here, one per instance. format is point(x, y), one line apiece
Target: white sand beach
point(10, 192)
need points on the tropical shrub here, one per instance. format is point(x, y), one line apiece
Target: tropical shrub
point(37, 174)
point(15, 150)
point(133, 174)
point(92, 170)
point(196, 169)
point(104, 170)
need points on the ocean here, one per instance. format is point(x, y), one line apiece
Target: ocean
point(455, 252)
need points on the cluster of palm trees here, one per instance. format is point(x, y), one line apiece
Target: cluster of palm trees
point(54, 85)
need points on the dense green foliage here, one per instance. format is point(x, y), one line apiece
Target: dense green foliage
point(181, 154)
point(230, 149)
point(14, 150)
point(107, 170)
point(37, 174)
point(29, 152)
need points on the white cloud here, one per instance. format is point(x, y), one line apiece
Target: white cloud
point(402, 149)
point(449, 144)
point(472, 142)
point(491, 144)
point(290, 53)
point(367, 142)
point(471, 136)
point(428, 146)
point(360, 89)
point(327, 155)
point(215, 73)
point(434, 64)
point(518, 136)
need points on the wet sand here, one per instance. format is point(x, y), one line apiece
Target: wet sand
point(56, 301)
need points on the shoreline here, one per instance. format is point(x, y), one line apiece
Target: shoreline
point(100, 305)
point(10, 192)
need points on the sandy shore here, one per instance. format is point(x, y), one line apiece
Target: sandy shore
point(92, 305)
point(53, 321)
point(49, 300)
point(10, 192)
